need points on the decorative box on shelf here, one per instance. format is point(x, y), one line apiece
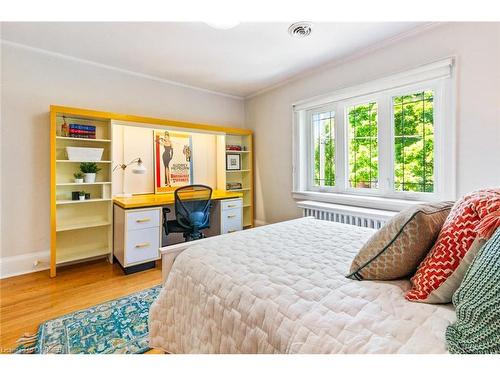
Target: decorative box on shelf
point(84, 153)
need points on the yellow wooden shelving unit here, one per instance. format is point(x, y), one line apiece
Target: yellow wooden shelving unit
point(244, 176)
point(82, 230)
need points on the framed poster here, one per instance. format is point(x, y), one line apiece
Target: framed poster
point(233, 162)
point(172, 160)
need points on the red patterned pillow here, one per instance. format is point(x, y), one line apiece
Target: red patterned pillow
point(456, 237)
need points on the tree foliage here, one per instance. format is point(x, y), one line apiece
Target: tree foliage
point(413, 144)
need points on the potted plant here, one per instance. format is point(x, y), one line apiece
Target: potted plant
point(81, 195)
point(78, 177)
point(89, 171)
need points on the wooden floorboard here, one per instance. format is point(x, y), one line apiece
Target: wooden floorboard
point(28, 300)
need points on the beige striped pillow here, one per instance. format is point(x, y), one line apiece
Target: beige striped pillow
point(397, 249)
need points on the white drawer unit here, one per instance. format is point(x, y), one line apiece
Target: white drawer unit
point(230, 204)
point(142, 219)
point(142, 245)
point(231, 215)
point(136, 237)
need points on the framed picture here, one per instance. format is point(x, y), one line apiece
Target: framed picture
point(233, 162)
point(173, 164)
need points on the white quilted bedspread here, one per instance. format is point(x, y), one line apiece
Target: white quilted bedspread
point(281, 288)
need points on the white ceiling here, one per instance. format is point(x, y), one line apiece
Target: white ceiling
point(241, 61)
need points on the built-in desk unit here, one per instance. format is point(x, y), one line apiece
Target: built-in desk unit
point(91, 228)
point(138, 229)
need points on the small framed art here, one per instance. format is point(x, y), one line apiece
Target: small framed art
point(233, 162)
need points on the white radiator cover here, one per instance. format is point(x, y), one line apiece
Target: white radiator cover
point(362, 217)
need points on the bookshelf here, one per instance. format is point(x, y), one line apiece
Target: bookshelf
point(81, 230)
point(243, 176)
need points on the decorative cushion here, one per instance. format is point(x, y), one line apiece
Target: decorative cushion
point(455, 239)
point(399, 246)
point(477, 303)
point(444, 293)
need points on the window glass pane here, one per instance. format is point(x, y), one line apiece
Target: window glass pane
point(414, 142)
point(363, 146)
point(324, 148)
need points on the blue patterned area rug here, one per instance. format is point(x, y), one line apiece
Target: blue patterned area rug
point(119, 326)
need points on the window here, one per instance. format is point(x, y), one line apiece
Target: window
point(324, 148)
point(413, 116)
point(391, 138)
point(363, 146)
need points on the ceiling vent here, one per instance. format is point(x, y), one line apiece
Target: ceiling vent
point(300, 29)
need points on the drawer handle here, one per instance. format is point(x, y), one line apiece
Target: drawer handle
point(144, 244)
point(230, 216)
point(232, 205)
point(145, 220)
point(232, 230)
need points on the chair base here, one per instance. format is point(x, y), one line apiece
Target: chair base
point(190, 236)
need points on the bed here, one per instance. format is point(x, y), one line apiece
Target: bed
point(282, 288)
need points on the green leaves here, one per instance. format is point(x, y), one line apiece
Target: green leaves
point(414, 142)
point(89, 167)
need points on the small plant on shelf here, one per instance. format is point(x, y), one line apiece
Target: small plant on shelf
point(89, 170)
point(81, 195)
point(78, 177)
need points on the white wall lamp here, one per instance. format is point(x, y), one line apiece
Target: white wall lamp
point(137, 169)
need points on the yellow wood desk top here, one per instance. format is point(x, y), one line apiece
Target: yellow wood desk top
point(150, 200)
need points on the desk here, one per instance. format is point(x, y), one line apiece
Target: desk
point(138, 225)
point(152, 200)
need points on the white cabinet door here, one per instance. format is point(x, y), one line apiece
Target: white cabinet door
point(142, 245)
point(231, 220)
point(143, 219)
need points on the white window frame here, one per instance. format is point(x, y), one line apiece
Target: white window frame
point(438, 77)
point(310, 153)
point(347, 104)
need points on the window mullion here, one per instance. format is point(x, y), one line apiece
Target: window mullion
point(340, 149)
point(385, 149)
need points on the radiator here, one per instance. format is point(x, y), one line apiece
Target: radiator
point(362, 217)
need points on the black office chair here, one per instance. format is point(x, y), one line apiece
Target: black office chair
point(192, 212)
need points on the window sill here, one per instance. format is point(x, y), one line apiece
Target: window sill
point(364, 201)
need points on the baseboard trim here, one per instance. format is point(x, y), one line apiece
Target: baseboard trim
point(24, 263)
point(259, 223)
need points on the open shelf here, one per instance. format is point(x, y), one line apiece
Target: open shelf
point(83, 139)
point(83, 183)
point(82, 161)
point(64, 228)
point(238, 171)
point(83, 228)
point(244, 189)
point(79, 201)
point(72, 256)
point(237, 152)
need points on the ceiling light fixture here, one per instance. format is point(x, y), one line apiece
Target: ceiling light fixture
point(223, 24)
point(300, 29)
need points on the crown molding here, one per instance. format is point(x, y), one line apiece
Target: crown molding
point(350, 57)
point(116, 69)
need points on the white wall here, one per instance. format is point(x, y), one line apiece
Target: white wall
point(130, 142)
point(31, 82)
point(477, 48)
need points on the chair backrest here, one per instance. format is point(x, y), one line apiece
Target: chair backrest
point(192, 205)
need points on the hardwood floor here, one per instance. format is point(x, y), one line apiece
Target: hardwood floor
point(28, 300)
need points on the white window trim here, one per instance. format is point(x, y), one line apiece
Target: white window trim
point(438, 76)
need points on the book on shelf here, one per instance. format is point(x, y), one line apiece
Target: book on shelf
point(82, 131)
point(234, 148)
point(233, 186)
